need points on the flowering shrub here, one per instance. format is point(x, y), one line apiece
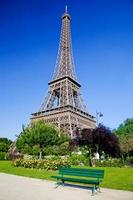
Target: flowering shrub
point(47, 164)
point(28, 157)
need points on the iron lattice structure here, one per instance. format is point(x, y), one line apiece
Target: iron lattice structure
point(63, 105)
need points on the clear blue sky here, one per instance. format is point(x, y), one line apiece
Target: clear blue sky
point(102, 35)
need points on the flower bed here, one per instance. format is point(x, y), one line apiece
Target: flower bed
point(42, 164)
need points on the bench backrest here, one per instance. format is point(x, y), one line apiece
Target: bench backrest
point(93, 173)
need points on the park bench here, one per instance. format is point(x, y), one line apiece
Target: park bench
point(92, 177)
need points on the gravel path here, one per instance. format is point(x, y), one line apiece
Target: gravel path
point(22, 188)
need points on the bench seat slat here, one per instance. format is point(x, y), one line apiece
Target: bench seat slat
point(87, 181)
point(91, 173)
point(82, 173)
point(81, 169)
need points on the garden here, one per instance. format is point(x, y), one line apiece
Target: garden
point(41, 149)
point(115, 177)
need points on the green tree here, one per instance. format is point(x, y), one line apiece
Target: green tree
point(62, 149)
point(126, 128)
point(125, 134)
point(126, 145)
point(4, 144)
point(37, 136)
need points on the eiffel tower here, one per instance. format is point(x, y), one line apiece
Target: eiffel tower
point(63, 105)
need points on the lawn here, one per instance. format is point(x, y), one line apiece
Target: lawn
point(115, 178)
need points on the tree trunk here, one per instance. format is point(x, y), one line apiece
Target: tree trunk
point(90, 158)
point(40, 156)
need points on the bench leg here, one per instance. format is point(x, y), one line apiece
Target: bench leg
point(57, 184)
point(93, 190)
point(98, 188)
point(63, 182)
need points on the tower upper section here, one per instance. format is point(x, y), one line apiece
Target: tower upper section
point(65, 63)
point(63, 104)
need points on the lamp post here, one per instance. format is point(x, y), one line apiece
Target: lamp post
point(98, 115)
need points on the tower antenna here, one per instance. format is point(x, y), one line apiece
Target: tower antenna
point(66, 8)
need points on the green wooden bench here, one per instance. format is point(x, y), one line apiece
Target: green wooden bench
point(92, 177)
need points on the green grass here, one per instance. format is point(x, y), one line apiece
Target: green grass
point(7, 167)
point(115, 178)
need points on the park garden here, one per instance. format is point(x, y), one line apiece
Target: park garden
point(40, 149)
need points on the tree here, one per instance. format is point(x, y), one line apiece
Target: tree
point(62, 149)
point(4, 144)
point(126, 145)
point(38, 136)
point(98, 140)
point(126, 128)
point(105, 140)
point(125, 134)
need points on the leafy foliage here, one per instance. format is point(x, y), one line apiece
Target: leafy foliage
point(58, 150)
point(97, 140)
point(79, 160)
point(105, 140)
point(3, 156)
point(39, 136)
point(110, 163)
point(125, 135)
point(4, 144)
point(126, 128)
point(126, 144)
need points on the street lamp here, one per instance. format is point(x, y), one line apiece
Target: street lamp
point(98, 115)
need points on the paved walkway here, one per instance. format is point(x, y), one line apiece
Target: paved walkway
point(22, 188)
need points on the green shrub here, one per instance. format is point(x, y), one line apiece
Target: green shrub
point(110, 163)
point(129, 161)
point(63, 149)
point(57, 150)
point(3, 156)
point(49, 150)
point(76, 159)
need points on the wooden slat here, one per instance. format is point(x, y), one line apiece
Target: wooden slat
point(81, 180)
point(82, 172)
